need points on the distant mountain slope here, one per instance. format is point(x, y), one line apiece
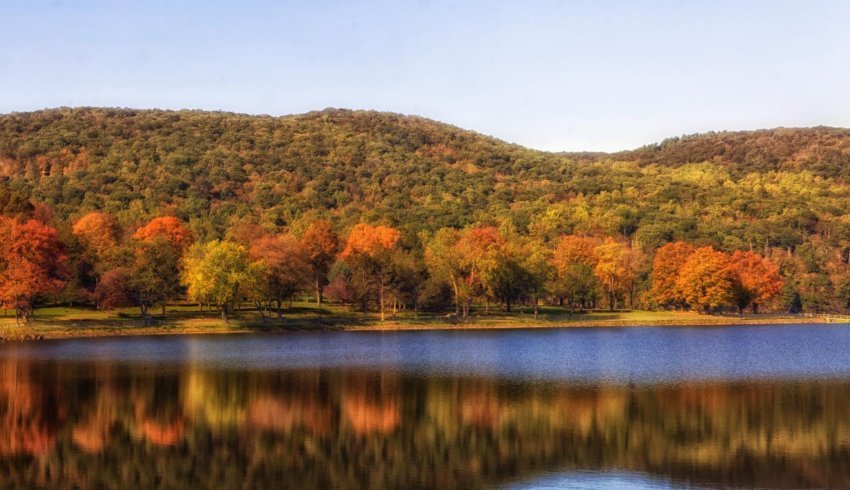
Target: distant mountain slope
point(822, 150)
point(217, 169)
point(207, 164)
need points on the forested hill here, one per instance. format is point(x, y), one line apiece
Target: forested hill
point(822, 150)
point(731, 190)
point(219, 165)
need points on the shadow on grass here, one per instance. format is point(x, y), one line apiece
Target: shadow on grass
point(313, 323)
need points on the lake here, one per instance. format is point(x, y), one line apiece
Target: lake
point(763, 406)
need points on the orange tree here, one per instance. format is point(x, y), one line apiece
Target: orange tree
point(706, 279)
point(168, 227)
point(285, 268)
point(573, 261)
point(97, 233)
point(757, 279)
point(666, 267)
point(32, 263)
point(369, 249)
point(320, 244)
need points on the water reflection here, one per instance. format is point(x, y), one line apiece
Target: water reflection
point(107, 424)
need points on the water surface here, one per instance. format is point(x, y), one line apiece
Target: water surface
point(765, 406)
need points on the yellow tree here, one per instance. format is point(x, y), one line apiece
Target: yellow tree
point(444, 259)
point(467, 258)
point(217, 272)
point(370, 248)
point(612, 268)
point(482, 249)
point(536, 260)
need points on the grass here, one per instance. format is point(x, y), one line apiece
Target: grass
point(64, 322)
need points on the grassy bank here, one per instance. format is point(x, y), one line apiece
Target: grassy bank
point(64, 322)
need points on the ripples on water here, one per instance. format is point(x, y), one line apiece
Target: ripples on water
point(640, 407)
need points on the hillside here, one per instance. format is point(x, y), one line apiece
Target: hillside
point(216, 165)
point(732, 190)
point(823, 151)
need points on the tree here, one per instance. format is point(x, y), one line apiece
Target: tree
point(370, 248)
point(168, 227)
point(444, 258)
point(468, 259)
point(573, 262)
point(612, 268)
point(706, 279)
point(536, 260)
point(32, 263)
point(578, 285)
point(217, 272)
point(321, 244)
point(285, 267)
point(481, 249)
point(154, 274)
point(113, 290)
point(98, 233)
point(339, 288)
point(93, 250)
point(666, 267)
point(407, 279)
point(757, 279)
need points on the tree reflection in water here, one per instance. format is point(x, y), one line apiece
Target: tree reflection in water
point(92, 425)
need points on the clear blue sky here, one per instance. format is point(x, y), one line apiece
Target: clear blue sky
point(554, 75)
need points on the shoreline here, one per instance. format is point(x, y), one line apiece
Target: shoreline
point(58, 330)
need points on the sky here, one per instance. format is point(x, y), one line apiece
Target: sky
point(552, 75)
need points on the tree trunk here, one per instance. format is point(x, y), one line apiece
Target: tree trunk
point(457, 296)
point(381, 293)
point(318, 288)
point(536, 301)
point(416, 308)
point(279, 312)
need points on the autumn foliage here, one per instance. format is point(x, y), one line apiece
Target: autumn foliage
point(168, 227)
point(320, 244)
point(757, 279)
point(98, 232)
point(706, 279)
point(32, 262)
point(666, 267)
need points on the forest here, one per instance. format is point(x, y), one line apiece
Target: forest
point(384, 212)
